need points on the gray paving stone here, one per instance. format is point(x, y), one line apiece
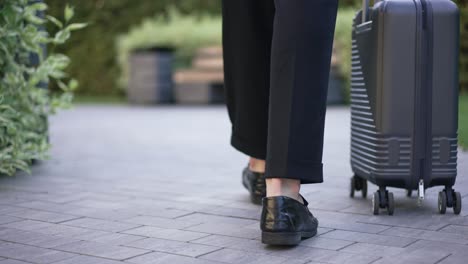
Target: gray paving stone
point(161, 222)
point(342, 257)
point(12, 261)
point(454, 252)
point(101, 250)
point(248, 245)
point(221, 241)
point(300, 253)
point(417, 256)
point(69, 231)
point(32, 254)
point(27, 225)
point(234, 212)
point(226, 229)
point(427, 235)
point(163, 258)
point(81, 259)
point(208, 218)
point(357, 227)
point(456, 229)
point(114, 215)
point(99, 224)
point(6, 209)
point(33, 238)
point(174, 247)
point(412, 220)
point(242, 257)
point(161, 212)
point(370, 238)
point(373, 250)
point(456, 258)
point(5, 219)
point(165, 233)
point(42, 216)
point(111, 184)
point(116, 239)
point(47, 206)
point(326, 243)
point(92, 203)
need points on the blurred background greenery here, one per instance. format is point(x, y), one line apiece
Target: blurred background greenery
point(99, 53)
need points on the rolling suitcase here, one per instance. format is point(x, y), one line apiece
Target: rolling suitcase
point(404, 100)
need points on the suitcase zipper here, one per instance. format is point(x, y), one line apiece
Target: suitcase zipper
point(422, 127)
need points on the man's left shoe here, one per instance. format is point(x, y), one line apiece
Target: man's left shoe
point(286, 221)
point(255, 183)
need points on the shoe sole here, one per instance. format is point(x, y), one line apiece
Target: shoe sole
point(285, 239)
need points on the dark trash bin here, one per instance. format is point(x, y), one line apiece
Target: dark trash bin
point(151, 76)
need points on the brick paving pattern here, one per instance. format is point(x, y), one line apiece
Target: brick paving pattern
point(161, 185)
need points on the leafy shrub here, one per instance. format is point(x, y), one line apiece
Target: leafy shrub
point(184, 33)
point(24, 106)
point(343, 31)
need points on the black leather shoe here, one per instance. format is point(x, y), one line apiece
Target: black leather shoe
point(254, 182)
point(286, 221)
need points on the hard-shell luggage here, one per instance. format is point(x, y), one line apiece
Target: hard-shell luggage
point(404, 99)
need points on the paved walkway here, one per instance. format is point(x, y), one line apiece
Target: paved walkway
point(161, 185)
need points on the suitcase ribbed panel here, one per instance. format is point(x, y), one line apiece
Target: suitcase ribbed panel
point(449, 167)
point(370, 151)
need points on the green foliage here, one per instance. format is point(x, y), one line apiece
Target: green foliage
point(463, 121)
point(24, 106)
point(184, 33)
point(343, 32)
point(463, 4)
point(93, 52)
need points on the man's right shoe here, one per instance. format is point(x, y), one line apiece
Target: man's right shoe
point(255, 183)
point(285, 221)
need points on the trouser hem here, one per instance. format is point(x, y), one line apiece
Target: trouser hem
point(306, 172)
point(248, 148)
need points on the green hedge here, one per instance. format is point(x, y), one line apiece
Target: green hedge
point(93, 52)
point(24, 72)
point(463, 4)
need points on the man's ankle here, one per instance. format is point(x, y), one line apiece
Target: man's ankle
point(284, 187)
point(257, 165)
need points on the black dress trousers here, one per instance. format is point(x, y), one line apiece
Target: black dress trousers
point(277, 61)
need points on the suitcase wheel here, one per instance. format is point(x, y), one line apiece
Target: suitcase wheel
point(449, 198)
point(442, 203)
point(358, 184)
point(409, 193)
point(383, 199)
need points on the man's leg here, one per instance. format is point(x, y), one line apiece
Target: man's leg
point(300, 66)
point(247, 33)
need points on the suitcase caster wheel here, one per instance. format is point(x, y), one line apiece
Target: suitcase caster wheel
point(376, 203)
point(352, 188)
point(390, 203)
point(449, 198)
point(409, 193)
point(442, 203)
point(364, 189)
point(383, 199)
point(358, 184)
point(457, 206)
